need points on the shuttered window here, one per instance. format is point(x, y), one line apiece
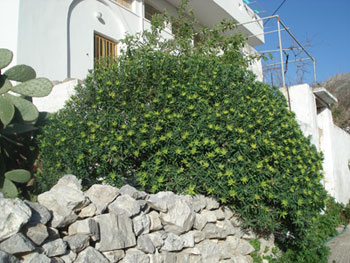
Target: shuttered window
point(104, 47)
point(150, 11)
point(126, 3)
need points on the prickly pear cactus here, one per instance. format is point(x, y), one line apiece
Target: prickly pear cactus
point(17, 116)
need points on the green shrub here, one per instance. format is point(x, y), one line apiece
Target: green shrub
point(190, 119)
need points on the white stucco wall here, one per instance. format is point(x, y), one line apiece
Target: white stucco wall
point(60, 93)
point(9, 26)
point(332, 141)
point(341, 157)
point(303, 105)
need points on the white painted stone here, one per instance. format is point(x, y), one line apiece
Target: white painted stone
point(101, 196)
point(14, 214)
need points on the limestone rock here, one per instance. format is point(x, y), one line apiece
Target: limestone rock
point(78, 242)
point(40, 214)
point(101, 196)
point(124, 204)
point(213, 231)
point(228, 213)
point(85, 227)
point(220, 215)
point(71, 181)
point(198, 203)
point(236, 221)
point(198, 235)
point(157, 202)
point(141, 224)
point(135, 256)
point(212, 204)
point(17, 244)
point(210, 216)
point(209, 251)
point(8, 258)
point(131, 191)
point(244, 247)
point(227, 249)
point(188, 240)
point(179, 218)
point(156, 223)
point(114, 255)
point(1, 195)
point(156, 239)
point(53, 233)
point(63, 201)
point(88, 211)
point(200, 221)
point(91, 255)
point(37, 233)
point(55, 248)
point(144, 243)
point(36, 258)
point(14, 214)
point(173, 243)
point(115, 232)
point(69, 257)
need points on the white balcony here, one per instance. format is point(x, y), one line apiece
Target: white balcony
point(211, 12)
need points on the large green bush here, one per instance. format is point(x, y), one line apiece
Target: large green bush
point(191, 119)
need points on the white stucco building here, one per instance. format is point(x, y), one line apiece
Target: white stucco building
point(61, 38)
point(312, 109)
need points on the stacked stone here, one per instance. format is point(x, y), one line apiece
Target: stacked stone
point(106, 224)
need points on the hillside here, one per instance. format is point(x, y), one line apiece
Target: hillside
point(339, 86)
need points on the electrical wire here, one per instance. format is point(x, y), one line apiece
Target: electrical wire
point(275, 11)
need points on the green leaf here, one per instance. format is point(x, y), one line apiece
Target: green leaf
point(17, 128)
point(5, 85)
point(7, 110)
point(18, 175)
point(39, 87)
point(20, 73)
point(9, 189)
point(27, 110)
point(5, 57)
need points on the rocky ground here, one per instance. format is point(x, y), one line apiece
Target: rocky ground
point(106, 224)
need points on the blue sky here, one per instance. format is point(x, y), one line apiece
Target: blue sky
point(325, 23)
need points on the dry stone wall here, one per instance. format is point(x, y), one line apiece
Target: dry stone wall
point(106, 224)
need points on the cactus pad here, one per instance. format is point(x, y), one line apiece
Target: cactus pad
point(18, 175)
point(39, 87)
point(27, 110)
point(7, 110)
point(5, 57)
point(5, 85)
point(9, 189)
point(20, 73)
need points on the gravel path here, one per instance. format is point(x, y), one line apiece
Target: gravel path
point(340, 248)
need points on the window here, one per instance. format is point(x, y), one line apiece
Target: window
point(104, 47)
point(150, 11)
point(126, 3)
